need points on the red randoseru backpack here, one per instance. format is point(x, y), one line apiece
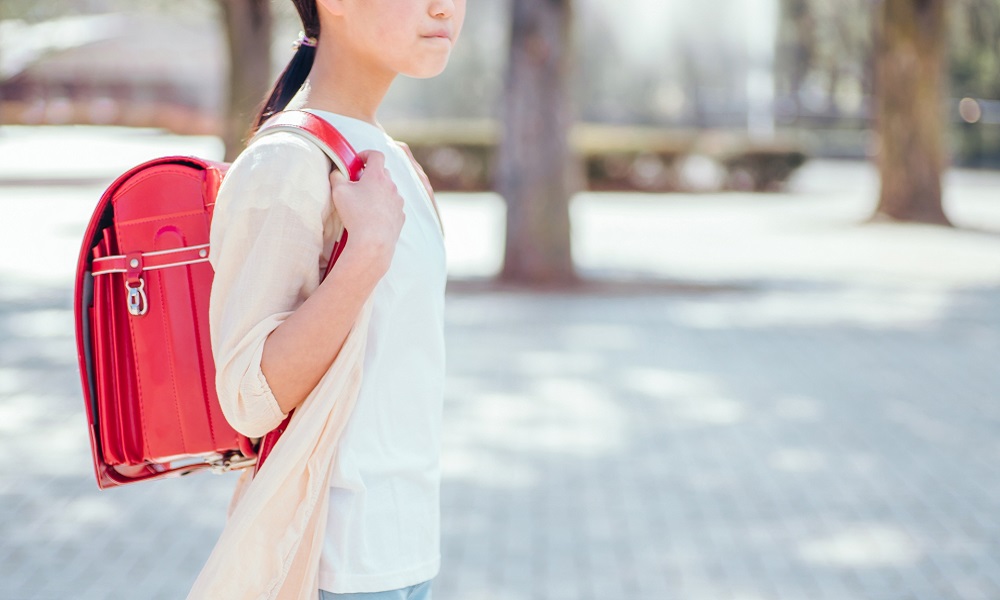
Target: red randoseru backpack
point(141, 309)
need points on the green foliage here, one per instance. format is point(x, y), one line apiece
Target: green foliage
point(975, 48)
point(823, 51)
point(825, 43)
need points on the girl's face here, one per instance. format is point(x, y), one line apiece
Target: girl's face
point(409, 37)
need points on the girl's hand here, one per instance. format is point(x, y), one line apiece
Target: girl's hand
point(370, 208)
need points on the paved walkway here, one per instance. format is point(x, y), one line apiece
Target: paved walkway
point(773, 403)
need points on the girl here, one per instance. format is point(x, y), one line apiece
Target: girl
point(276, 330)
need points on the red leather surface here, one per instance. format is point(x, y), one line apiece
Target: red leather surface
point(149, 386)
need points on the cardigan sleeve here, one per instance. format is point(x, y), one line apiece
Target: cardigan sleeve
point(266, 247)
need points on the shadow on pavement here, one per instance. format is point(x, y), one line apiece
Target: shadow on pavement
point(638, 440)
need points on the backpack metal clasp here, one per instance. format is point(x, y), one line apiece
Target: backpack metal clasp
point(137, 304)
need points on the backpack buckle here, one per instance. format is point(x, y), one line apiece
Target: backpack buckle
point(137, 304)
point(231, 461)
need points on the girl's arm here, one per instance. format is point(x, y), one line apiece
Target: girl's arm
point(299, 351)
point(275, 328)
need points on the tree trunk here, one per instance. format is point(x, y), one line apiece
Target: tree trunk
point(802, 53)
point(248, 26)
point(3, 95)
point(536, 172)
point(910, 112)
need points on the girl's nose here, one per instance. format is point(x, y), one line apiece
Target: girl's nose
point(442, 8)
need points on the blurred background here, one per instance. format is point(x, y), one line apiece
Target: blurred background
point(724, 301)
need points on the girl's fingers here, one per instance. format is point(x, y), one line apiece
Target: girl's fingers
point(372, 158)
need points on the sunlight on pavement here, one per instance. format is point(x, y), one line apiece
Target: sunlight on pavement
point(861, 306)
point(864, 545)
point(818, 413)
point(555, 415)
point(474, 230)
point(661, 382)
point(51, 154)
point(685, 399)
point(797, 460)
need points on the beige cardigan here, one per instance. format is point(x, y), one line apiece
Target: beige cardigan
point(271, 544)
point(277, 189)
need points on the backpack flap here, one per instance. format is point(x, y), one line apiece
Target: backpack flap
point(141, 315)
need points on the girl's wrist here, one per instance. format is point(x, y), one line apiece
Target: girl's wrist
point(365, 258)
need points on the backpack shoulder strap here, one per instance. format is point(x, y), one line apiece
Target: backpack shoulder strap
point(320, 132)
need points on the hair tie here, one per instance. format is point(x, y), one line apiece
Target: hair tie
point(304, 40)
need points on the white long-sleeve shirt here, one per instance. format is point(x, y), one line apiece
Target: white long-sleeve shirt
point(272, 234)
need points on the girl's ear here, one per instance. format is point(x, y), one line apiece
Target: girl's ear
point(334, 7)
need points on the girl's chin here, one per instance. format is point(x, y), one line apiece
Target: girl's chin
point(427, 69)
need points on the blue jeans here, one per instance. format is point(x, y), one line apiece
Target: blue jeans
point(420, 591)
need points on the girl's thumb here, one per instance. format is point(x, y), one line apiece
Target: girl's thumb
point(337, 175)
point(372, 158)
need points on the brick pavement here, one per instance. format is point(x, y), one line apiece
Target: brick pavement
point(747, 430)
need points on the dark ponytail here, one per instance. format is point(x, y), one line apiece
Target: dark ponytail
point(291, 79)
